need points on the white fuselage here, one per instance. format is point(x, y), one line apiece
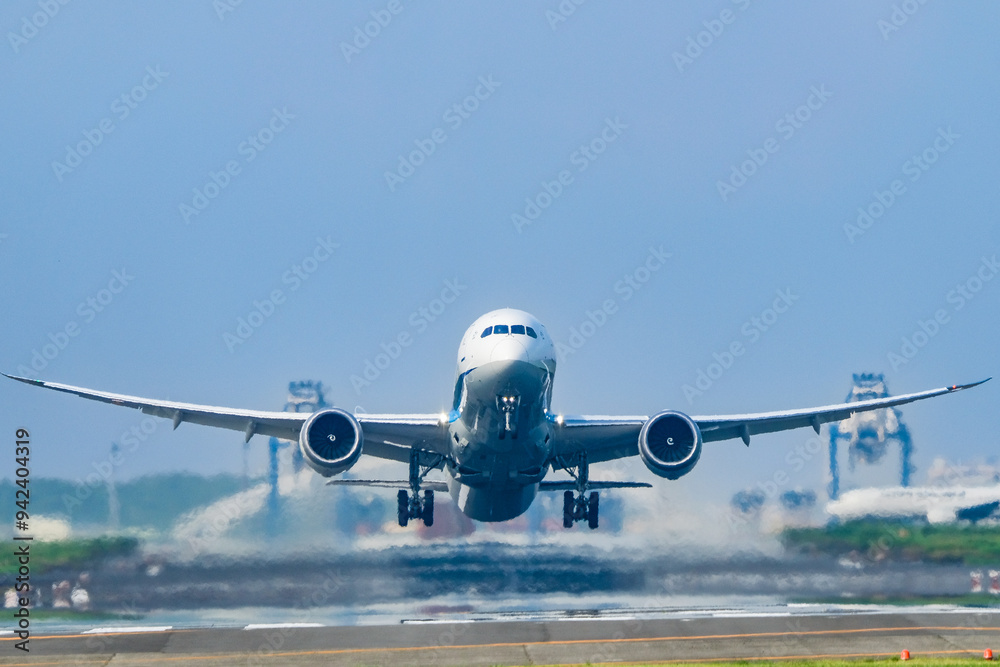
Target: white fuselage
point(937, 504)
point(500, 427)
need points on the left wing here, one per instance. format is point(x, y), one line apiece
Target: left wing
point(387, 436)
point(605, 438)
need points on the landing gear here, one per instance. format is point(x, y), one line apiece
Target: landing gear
point(413, 506)
point(428, 508)
point(578, 506)
point(403, 507)
point(507, 405)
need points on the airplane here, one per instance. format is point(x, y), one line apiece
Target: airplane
point(500, 439)
point(935, 504)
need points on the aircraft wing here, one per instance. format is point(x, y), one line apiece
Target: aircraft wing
point(605, 438)
point(387, 436)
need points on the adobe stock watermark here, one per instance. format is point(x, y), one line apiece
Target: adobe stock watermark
point(87, 310)
point(899, 17)
point(752, 330)
point(957, 299)
point(581, 158)
point(454, 116)
point(294, 278)
point(610, 652)
point(696, 44)
point(363, 35)
point(626, 288)
point(121, 108)
point(30, 25)
point(562, 12)
point(223, 7)
point(250, 149)
point(419, 321)
point(913, 168)
point(786, 127)
point(199, 536)
point(320, 595)
point(795, 460)
point(130, 440)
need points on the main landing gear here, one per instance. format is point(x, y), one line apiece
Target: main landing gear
point(578, 505)
point(413, 506)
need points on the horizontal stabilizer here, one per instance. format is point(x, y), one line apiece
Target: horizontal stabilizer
point(389, 484)
point(570, 485)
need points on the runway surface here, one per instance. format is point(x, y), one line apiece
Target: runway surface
point(701, 635)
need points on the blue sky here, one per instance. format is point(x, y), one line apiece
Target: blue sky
point(289, 137)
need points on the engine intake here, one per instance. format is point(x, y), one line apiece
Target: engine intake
point(670, 444)
point(331, 441)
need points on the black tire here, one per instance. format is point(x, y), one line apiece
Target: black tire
point(592, 510)
point(568, 501)
point(403, 507)
point(428, 508)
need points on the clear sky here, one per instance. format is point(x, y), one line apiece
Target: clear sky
point(172, 168)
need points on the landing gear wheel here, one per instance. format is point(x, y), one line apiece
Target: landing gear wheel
point(592, 510)
point(403, 507)
point(568, 502)
point(428, 508)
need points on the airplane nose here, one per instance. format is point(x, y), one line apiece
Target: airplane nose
point(509, 349)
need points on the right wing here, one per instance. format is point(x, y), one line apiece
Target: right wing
point(605, 438)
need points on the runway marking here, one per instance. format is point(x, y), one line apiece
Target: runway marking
point(821, 656)
point(102, 661)
point(89, 633)
point(568, 642)
point(629, 640)
point(128, 630)
point(622, 640)
point(272, 626)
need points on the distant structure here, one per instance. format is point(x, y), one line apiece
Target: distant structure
point(798, 500)
point(303, 396)
point(748, 502)
point(114, 507)
point(868, 435)
point(955, 473)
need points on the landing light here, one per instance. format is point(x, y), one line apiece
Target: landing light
point(443, 418)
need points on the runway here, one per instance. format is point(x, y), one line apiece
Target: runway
point(774, 633)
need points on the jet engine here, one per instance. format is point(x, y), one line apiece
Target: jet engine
point(331, 441)
point(670, 444)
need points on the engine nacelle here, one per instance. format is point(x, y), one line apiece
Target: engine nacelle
point(670, 444)
point(331, 441)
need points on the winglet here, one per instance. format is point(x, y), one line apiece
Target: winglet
point(25, 380)
point(960, 387)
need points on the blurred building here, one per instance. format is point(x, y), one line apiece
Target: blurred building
point(943, 472)
point(869, 449)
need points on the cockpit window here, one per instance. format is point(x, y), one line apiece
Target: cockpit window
point(531, 332)
point(517, 329)
point(486, 332)
point(500, 329)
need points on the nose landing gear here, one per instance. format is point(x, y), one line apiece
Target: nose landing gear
point(508, 408)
